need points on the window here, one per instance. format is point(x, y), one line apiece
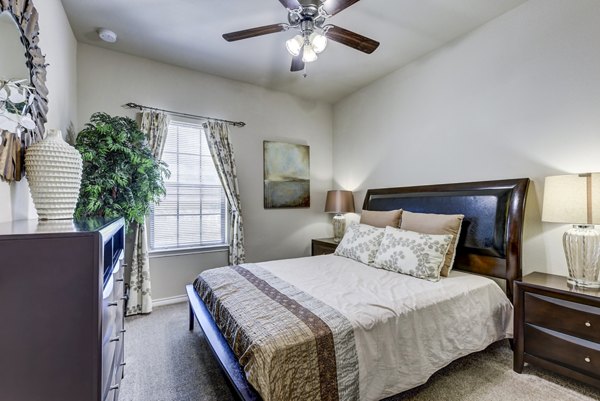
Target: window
point(193, 214)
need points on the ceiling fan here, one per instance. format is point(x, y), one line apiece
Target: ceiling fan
point(310, 17)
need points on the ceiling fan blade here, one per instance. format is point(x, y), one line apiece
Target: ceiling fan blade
point(351, 39)
point(290, 4)
point(332, 7)
point(252, 32)
point(297, 63)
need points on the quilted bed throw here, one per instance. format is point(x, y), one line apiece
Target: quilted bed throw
point(291, 345)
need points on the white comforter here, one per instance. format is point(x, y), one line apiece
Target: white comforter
point(405, 328)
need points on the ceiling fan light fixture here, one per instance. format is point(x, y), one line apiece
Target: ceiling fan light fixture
point(294, 45)
point(309, 54)
point(318, 42)
point(310, 19)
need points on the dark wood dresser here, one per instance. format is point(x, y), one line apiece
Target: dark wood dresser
point(323, 246)
point(557, 327)
point(61, 310)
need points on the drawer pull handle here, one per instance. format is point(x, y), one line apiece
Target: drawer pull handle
point(116, 386)
point(119, 280)
point(587, 359)
point(123, 331)
point(123, 364)
point(588, 324)
point(114, 339)
point(113, 303)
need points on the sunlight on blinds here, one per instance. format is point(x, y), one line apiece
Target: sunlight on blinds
point(193, 213)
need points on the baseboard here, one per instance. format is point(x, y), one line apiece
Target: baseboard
point(170, 300)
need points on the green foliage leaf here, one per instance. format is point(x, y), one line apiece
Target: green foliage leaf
point(121, 177)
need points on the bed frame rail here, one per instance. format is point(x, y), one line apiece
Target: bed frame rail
point(219, 347)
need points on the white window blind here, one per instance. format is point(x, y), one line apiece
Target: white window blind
point(193, 213)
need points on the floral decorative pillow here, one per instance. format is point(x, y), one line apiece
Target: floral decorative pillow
point(412, 253)
point(360, 242)
point(429, 223)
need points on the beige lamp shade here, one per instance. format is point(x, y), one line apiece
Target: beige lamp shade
point(572, 199)
point(339, 201)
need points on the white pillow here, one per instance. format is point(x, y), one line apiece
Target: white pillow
point(412, 253)
point(360, 242)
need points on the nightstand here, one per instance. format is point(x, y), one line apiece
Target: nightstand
point(557, 327)
point(323, 246)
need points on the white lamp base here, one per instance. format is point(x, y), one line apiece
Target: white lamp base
point(582, 250)
point(339, 227)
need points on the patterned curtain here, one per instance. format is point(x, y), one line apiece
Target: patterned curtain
point(156, 126)
point(217, 136)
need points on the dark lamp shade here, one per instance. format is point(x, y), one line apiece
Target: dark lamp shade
point(339, 202)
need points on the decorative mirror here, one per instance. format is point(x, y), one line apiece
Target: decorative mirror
point(23, 92)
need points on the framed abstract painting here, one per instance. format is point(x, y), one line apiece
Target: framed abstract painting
point(286, 175)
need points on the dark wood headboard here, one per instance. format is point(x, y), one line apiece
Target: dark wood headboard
point(491, 235)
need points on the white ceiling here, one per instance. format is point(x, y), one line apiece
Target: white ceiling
point(188, 33)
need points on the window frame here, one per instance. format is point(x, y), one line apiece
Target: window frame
point(194, 249)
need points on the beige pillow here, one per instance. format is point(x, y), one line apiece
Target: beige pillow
point(436, 224)
point(381, 219)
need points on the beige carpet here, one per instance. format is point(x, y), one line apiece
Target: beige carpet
point(166, 362)
point(488, 376)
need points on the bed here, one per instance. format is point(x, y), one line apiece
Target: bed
point(328, 327)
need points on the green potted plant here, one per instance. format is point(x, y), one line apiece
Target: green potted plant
point(121, 177)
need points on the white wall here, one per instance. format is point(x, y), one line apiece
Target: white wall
point(518, 97)
point(60, 47)
point(109, 79)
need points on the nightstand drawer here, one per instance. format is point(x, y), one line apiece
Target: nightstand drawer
point(324, 246)
point(562, 349)
point(322, 250)
point(567, 317)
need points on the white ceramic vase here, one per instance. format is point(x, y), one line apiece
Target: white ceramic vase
point(53, 170)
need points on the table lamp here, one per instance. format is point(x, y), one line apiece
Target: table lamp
point(339, 202)
point(575, 199)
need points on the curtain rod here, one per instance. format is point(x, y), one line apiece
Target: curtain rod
point(132, 105)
